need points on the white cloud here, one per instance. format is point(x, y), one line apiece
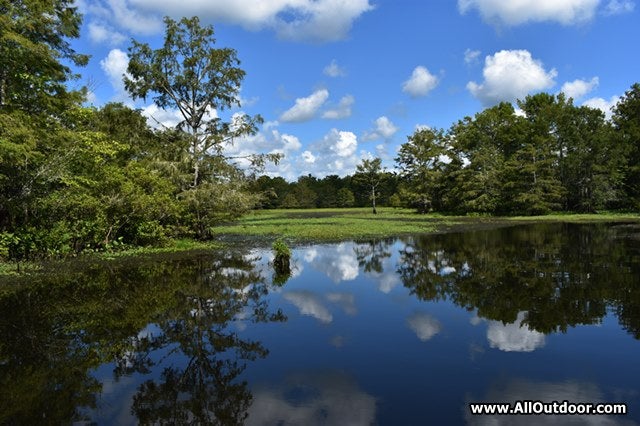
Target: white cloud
point(345, 300)
point(305, 108)
point(343, 144)
point(100, 33)
point(388, 282)
point(115, 67)
point(334, 70)
point(308, 157)
point(314, 20)
point(336, 153)
point(510, 75)
point(161, 118)
point(578, 88)
point(566, 12)
point(515, 337)
point(310, 304)
point(617, 7)
point(424, 325)
point(338, 262)
point(384, 129)
point(471, 56)
point(343, 110)
point(328, 398)
point(125, 16)
point(602, 104)
point(268, 140)
point(420, 83)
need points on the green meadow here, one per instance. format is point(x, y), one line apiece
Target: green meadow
point(361, 223)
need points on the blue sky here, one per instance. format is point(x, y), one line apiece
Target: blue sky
point(341, 80)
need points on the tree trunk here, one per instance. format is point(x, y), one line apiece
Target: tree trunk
point(373, 198)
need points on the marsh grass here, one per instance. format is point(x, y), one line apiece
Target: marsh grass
point(360, 223)
point(334, 224)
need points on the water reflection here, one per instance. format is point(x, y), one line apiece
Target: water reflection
point(141, 320)
point(415, 327)
point(330, 398)
point(424, 325)
point(514, 337)
point(309, 303)
point(562, 275)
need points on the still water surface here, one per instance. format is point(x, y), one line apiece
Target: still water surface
point(400, 331)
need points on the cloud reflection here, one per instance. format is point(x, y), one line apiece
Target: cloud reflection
point(515, 337)
point(322, 399)
point(309, 303)
point(338, 262)
point(424, 325)
point(345, 300)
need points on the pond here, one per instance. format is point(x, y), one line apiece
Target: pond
point(398, 331)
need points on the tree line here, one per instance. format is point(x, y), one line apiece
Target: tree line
point(550, 156)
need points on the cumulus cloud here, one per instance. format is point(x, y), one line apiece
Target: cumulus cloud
point(343, 110)
point(309, 303)
point(578, 88)
point(101, 33)
point(161, 118)
point(305, 108)
point(603, 104)
point(510, 75)
point(510, 13)
point(424, 325)
point(314, 20)
point(617, 7)
point(471, 56)
point(335, 154)
point(384, 129)
point(308, 157)
point(334, 70)
point(420, 83)
point(115, 67)
point(124, 14)
point(515, 337)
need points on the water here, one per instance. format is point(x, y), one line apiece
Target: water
point(400, 331)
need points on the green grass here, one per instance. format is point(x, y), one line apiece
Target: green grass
point(360, 223)
point(174, 246)
point(334, 224)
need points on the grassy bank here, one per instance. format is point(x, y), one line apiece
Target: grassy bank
point(358, 223)
point(323, 225)
point(22, 268)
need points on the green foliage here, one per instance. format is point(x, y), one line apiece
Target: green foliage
point(33, 48)
point(421, 165)
point(280, 248)
point(626, 120)
point(345, 198)
point(369, 174)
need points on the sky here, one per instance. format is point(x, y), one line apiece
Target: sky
point(339, 81)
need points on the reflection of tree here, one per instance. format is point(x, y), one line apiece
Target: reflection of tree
point(371, 254)
point(43, 368)
point(562, 275)
point(55, 332)
point(206, 390)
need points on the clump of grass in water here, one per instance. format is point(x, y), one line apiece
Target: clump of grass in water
point(282, 261)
